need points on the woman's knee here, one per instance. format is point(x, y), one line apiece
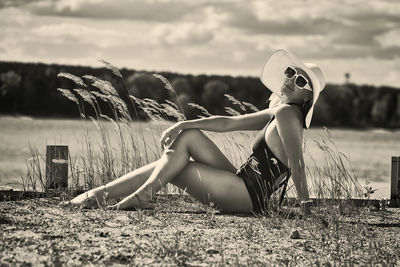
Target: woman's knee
point(184, 140)
point(189, 136)
point(191, 133)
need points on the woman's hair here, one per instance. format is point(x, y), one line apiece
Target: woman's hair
point(307, 105)
point(310, 95)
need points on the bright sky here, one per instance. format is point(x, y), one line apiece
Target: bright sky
point(207, 36)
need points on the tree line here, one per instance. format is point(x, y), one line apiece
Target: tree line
point(31, 89)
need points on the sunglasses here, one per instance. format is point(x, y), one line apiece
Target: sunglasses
point(300, 81)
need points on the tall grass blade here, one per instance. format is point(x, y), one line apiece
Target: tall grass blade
point(111, 67)
point(104, 86)
point(75, 79)
point(67, 93)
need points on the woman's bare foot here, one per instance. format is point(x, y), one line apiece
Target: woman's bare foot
point(132, 202)
point(89, 199)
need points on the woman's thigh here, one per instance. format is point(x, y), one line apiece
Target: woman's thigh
point(202, 149)
point(207, 184)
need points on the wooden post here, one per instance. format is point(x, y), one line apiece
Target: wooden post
point(57, 167)
point(395, 183)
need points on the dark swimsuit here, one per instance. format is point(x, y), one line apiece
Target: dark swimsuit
point(263, 173)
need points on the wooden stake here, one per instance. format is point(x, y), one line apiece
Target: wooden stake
point(57, 167)
point(395, 183)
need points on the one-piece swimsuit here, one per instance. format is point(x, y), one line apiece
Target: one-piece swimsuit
point(263, 173)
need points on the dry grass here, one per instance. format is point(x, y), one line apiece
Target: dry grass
point(335, 178)
point(182, 232)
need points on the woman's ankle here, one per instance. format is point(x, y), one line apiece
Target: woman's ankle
point(100, 193)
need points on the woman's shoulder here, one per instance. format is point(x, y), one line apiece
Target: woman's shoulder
point(288, 112)
point(284, 108)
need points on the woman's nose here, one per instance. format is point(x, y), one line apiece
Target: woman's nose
point(289, 82)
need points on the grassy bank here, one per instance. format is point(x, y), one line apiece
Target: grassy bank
point(182, 232)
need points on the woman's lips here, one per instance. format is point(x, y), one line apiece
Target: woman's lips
point(288, 89)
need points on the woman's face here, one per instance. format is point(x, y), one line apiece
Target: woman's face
point(292, 93)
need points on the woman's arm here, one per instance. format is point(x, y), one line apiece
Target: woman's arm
point(253, 121)
point(289, 128)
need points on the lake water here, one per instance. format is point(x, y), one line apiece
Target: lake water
point(369, 151)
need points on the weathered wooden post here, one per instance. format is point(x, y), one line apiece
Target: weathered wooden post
point(56, 167)
point(395, 183)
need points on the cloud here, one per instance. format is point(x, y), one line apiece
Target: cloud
point(389, 39)
point(71, 33)
point(350, 29)
point(15, 3)
point(180, 34)
point(225, 36)
point(147, 10)
point(309, 26)
point(200, 29)
point(11, 17)
point(280, 17)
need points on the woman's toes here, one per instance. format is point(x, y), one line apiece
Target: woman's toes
point(112, 207)
point(64, 203)
point(79, 199)
point(90, 202)
point(84, 200)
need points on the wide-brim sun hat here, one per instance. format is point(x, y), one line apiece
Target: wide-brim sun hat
point(273, 77)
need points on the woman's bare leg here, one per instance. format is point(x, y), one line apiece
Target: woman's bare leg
point(120, 187)
point(190, 143)
point(207, 184)
point(203, 150)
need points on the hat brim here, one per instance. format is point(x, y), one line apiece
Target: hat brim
point(273, 77)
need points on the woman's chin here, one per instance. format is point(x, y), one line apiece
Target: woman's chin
point(286, 90)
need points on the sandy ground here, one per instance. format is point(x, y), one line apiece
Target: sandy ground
point(183, 232)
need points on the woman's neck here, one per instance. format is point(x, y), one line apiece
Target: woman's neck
point(285, 100)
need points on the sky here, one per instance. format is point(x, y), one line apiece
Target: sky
point(231, 37)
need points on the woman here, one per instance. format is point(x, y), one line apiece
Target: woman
point(193, 162)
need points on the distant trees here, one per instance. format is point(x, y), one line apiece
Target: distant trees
point(30, 89)
point(213, 96)
point(380, 109)
point(183, 95)
point(9, 80)
point(10, 88)
point(396, 114)
point(144, 85)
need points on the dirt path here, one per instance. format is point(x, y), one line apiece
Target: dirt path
point(181, 232)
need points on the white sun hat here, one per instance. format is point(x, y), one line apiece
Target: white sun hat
point(273, 77)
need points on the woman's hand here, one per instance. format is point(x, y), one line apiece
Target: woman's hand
point(170, 134)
